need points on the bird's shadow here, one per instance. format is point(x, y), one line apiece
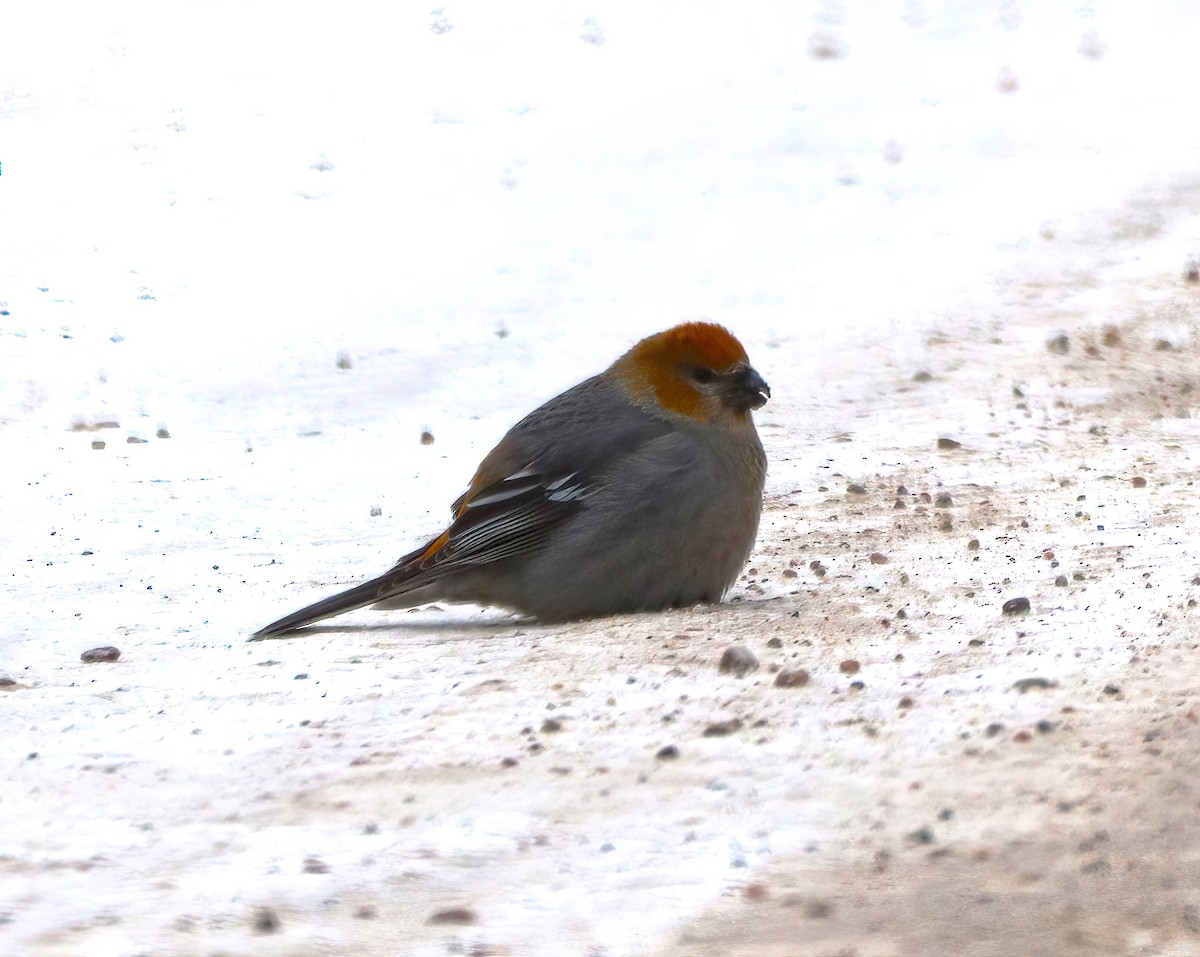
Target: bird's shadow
point(490, 624)
point(487, 625)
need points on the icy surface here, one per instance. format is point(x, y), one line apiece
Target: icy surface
point(257, 249)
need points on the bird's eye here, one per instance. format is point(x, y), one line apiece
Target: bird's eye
point(703, 375)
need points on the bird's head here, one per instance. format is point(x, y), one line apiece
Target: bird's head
point(697, 369)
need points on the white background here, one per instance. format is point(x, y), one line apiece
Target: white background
point(204, 205)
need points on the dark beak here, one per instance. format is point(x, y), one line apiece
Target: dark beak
point(750, 390)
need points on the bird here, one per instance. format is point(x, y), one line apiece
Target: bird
point(639, 489)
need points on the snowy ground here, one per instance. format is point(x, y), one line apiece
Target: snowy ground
point(255, 253)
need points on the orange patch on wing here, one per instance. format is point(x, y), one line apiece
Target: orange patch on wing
point(434, 547)
point(479, 482)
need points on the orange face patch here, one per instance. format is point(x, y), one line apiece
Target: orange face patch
point(659, 365)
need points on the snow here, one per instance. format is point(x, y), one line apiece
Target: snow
point(206, 205)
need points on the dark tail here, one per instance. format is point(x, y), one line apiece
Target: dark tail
point(358, 597)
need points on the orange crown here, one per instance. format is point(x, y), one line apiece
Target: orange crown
point(698, 343)
point(653, 366)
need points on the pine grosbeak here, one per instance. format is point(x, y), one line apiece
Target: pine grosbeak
point(638, 489)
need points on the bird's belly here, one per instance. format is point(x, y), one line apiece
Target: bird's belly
point(661, 558)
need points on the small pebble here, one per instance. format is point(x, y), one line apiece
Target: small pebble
point(791, 678)
point(343, 360)
point(1034, 684)
point(162, 433)
point(849, 667)
point(905, 702)
point(667, 753)
point(973, 545)
point(1060, 344)
point(426, 437)
point(943, 500)
point(1138, 482)
point(922, 835)
point(878, 558)
point(1015, 606)
point(1061, 581)
point(719, 729)
point(738, 660)
point(98, 444)
point(453, 915)
point(948, 444)
point(775, 643)
point(103, 653)
point(376, 511)
point(265, 921)
point(855, 489)
point(550, 725)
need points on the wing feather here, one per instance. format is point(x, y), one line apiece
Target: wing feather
point(536, 478)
